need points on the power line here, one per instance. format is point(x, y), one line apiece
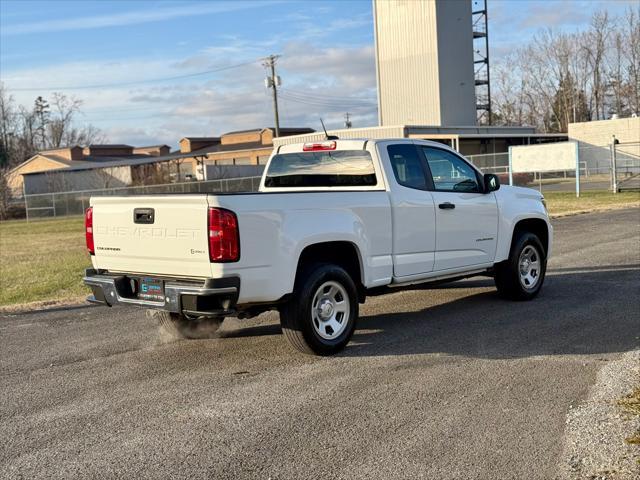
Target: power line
point(134, 82)
point(321, 94)
point(326, 104)
point(323, 100)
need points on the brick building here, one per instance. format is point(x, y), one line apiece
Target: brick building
point(244, 147)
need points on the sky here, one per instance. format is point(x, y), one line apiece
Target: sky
point(151, 72)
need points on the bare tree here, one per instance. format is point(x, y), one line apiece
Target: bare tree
point(7, 125)
point(507, 93)
point(631, 54)
point(64, 110)
point(560, 78)
point(596, 48)
point(25, 131)
point(5, 195)
point(62, 130)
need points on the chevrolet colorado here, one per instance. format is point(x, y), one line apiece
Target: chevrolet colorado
point(333, 222)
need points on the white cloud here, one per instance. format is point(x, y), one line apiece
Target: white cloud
point(317, 83)
point(134, 17)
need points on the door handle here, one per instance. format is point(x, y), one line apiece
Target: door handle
point(447, 206)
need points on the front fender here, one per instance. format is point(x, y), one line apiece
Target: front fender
point(514, 205)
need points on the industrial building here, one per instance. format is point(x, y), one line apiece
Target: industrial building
point(595, 138)
point(424, 62)
point(432, 83)
point(475, 140)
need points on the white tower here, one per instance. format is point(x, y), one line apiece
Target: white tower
point(424, 62)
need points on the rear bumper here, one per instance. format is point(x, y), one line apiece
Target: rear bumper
point(211, 297)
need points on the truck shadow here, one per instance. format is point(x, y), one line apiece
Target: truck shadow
point(587, 310)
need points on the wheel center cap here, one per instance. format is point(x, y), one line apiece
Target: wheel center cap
point(325, 309)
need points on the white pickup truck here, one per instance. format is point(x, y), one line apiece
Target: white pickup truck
point(333, 222)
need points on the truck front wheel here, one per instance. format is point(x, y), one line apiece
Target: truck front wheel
point(321, 315)
point(180, 327)
point(520, 277)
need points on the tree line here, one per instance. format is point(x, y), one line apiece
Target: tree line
point(560, 78)
point(45, 125)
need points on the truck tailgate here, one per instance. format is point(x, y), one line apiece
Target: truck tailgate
point(161, 235)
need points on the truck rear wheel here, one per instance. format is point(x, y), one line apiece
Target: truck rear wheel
point(320, 317)
point(180, 327)
point(520, 277)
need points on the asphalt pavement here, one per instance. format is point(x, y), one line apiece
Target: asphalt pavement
point(448, 382)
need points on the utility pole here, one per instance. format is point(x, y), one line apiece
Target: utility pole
point(347, 120)
point(273, 82)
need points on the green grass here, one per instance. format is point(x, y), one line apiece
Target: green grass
point(631, 405)
point(42, 260)
point(559, 203)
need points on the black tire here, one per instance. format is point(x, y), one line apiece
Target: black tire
point(507, 273)
point(179, 327)
point(296, 315)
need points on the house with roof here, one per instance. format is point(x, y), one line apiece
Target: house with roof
point(230, 155)
point(82, 158)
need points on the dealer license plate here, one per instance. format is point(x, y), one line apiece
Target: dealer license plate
point(151, 289)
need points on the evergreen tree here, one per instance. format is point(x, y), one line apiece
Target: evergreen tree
point(41, 111)
point(569, 105)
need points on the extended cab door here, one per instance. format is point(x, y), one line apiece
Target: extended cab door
point(412, 209)
point(466, 218)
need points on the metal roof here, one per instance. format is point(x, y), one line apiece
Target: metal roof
point(202, 139)
point(287, 130)
point(110, 162)
point(99, 146)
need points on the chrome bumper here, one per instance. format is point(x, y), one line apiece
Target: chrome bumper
point(213, 297)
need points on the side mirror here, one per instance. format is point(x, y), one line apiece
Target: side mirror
point(491, 182)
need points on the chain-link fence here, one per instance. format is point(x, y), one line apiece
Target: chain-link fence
point(599, 167)
point(596, 169)
point(497, 163)
point(74, 203)
point(625, 160)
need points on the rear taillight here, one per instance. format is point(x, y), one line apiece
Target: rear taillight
point(224, 239)
point(88, 230)
point(313, 147)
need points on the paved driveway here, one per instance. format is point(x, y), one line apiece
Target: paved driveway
point(440, 383)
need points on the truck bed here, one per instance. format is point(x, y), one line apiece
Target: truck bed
point(270, 229)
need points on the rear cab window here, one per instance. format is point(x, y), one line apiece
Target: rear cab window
point(331, 168)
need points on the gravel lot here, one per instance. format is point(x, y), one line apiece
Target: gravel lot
point(594, 448)
point(440, 383)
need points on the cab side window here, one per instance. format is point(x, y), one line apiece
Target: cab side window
point(407, 166)
point(449, 172)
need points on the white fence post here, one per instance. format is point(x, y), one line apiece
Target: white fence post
point(577, 170)
point(510, 168)
point(614, 167)
point(26, 203)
